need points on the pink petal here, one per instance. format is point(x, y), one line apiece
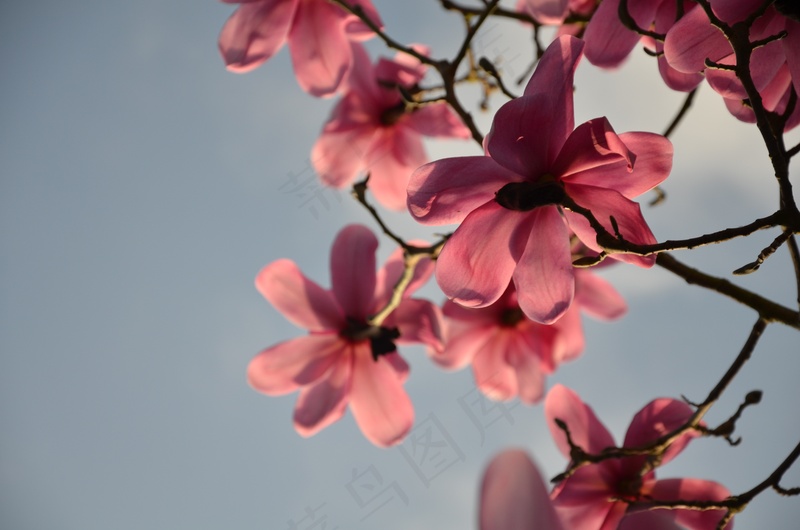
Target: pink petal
point(353, 270)
point(255, 32)
point(321, 53)
point(591, 145)
point(393, 156)
point(566, 342)
point(608, 41)
point(361, 76)
point(657, 418)
point(514, 495)
point(438, 120)
point(665, 19)
point(692, 490)
point(324, 403)
point(477, 262)
point(284, 367)
point(693, 39)
point(300, 300)
point(553, 78)
point(732, 11)
point(461, 348)
point(358, 30)
point(543, 276)
point(586, 430)
point(493, 375)
point(648, 164)
point(523, 356)
point(649, 521)
point(791, 49)
point(380, 406)
point(584, 500)
point(598, 297)
point(419, 321)
point(338, 154)
point(447, 190)
point(605, 203)
point(550, 12)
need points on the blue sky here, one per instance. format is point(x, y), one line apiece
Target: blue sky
point(142, 188)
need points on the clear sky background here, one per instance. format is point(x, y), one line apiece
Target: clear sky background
point(142, 187)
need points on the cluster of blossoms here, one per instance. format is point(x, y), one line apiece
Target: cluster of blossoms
point(527, 210)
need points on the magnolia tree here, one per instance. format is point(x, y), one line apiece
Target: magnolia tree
point(548, 203)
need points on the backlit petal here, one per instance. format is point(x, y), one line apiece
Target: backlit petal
point(586, 430)
point(284, 367)
point(324, 403)
point(255, 32)
point(353, 269)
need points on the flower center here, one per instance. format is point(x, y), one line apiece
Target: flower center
point(393, 114)
point(525, 196)
point(630, 488)
point(511, 317)
point(381, 338)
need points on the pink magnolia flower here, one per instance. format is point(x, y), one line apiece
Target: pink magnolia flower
point(344, 360)
point(597, 496)
point(774, 67)
point(509, 202)
point(510, 353)
point(514, 497)
point(609, 41)
point(372, 130)
point(319, 35)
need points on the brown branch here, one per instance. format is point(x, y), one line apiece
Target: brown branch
point(681, 113)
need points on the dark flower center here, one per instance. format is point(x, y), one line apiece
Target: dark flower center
point(381, 339)
point(511, 317)
point(525, 196)
point(392, 115)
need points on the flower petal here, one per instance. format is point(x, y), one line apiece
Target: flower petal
point(598, 297)
point(255, 32)
point(657, 418)
point(438, 120)
point(605, 203)
point(591, 145)
point(692, 40)
point(324, 403)
point(477, 262)
point(353, 270)
point(321, 53)
point(524, 358)
point(394, 154)
point(586, 430)
point(447, 190)
point(418, 321)
point(462, 346)
point(493, 375)
point(380, 406)
point(514, 495)
point(300, 300)
point(284, 367)
point(647, 166)
point(356, 29)
point(690, 489)
point(608, 41)
point(543, 276)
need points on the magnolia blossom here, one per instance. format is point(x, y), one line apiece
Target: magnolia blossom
point(372, 130)
point(345, 360)
point(597, 496)
point(510, 353)
point(509, 202)
point(514, 497)
point(774, 67)
point(319, 33)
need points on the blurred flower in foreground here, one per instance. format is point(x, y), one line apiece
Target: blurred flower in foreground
point(319, 35)
point(511, 354)
point(598, 496)
point(373, 129)
point(344, 360)
point(509, 202)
